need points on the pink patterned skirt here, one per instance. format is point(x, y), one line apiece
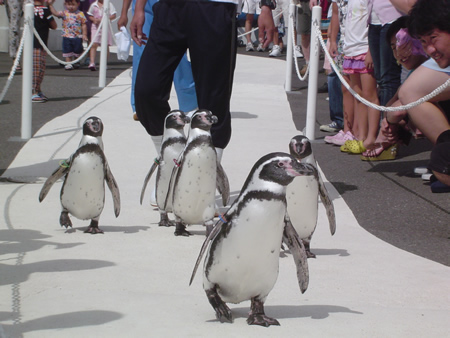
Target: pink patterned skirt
point(355, 65)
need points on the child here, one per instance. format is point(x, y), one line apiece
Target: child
point(359, 65)
point(397, 37)
point(74, 29)
point(43, 21)
point(95, 14)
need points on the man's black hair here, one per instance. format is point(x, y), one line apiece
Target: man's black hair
point(428, 15)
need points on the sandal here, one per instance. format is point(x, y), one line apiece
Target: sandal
point(344, 148)
point(386, 155)
point(355, 147)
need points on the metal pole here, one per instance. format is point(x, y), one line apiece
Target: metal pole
point(313, 74)
point(27, 77)
point(289, 50)
point(104, 46)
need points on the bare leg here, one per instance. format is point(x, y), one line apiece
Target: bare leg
point(427, 116)
point(349, 109)
point(248, 27)
point(369, 92)
point(360, 109)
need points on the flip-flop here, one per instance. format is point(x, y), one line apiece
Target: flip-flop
point(386, 155)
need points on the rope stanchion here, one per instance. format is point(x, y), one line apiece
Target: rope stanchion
point(313, 78)
point(27, 74)
point(104, 46)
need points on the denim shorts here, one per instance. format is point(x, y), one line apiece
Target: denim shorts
point(72, 47)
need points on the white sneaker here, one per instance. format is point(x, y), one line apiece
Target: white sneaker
point(276, 51)
point(260, 48)
point(68, 67)
point(298, 52)
point(249, 47)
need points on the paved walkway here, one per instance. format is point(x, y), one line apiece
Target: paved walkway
point(133, 280)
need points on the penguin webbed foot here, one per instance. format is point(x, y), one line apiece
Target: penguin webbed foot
point(165, 221)
point(64, 220)
point(93, 228)
point(257, 315)
point(308, 252)
point(223, 312)
point(180, 230)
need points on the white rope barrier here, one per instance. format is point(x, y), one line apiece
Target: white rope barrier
point(15, 64)
point(100, 27)
point(256, 28)
point(301, 78)
point(435, 92)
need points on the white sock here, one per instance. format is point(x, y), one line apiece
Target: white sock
point(157, 142)
point(219, 152)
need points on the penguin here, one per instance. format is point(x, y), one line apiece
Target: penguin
point(195, 177)
point(303, 195)
point(83, 191)
point(173, 143)
point(243, 248)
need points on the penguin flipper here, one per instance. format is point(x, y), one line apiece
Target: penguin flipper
point(223, 185)
point(295, 244)
point(112, 185)
point(149, 175)
point(56, 175)
point(172, 179)
point(211, 235)
point(326, 200)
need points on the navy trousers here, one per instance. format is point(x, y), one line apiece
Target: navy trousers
point(208, 30)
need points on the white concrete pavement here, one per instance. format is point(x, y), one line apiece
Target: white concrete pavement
point(133, 280)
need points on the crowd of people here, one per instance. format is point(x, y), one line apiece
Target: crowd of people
point(390, 52)
point(393, 53)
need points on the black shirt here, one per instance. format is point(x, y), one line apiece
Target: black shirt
point(42, 19)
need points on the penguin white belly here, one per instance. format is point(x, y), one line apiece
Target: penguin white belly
point(195, 189)
point(302, 204)
point(245, 262)
point(164, 174)
point(83, 193)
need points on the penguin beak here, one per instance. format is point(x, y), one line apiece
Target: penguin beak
point(187, 119)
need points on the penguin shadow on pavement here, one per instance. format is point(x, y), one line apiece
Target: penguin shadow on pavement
point(35, 173)
point(297, 311)
point(58, 322)
point(126, 229)
point(319, 252)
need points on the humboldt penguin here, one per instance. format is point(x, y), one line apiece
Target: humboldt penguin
point(244, 246)
point(303, 195)
point(195, 177)
point(85, 172)
point(173, 143)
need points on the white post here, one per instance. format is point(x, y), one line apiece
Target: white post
point(289, 50)
point(104, 46)
point(313, 74)
point(27, 75)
